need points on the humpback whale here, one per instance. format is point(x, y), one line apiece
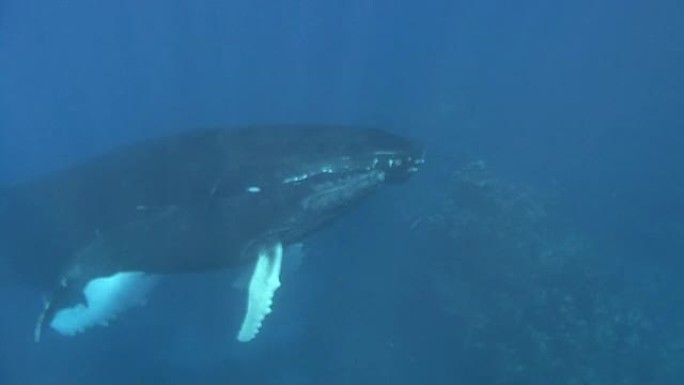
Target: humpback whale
point(97, 235)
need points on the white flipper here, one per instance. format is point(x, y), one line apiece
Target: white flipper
point(107, 297)
point(293, 257)
point(265, 280)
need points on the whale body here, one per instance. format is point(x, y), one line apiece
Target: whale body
point(97, 235)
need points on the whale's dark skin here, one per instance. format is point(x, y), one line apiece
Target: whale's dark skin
point(193, 202)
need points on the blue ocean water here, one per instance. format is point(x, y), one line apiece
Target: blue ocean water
point(541, 244)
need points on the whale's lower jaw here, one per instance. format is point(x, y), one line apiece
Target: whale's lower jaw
point(106, 298)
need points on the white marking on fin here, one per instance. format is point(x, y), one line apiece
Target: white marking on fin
point(265, 281)
point(107, 297)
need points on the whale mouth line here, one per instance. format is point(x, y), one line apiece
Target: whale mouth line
point(347, 166)
point(344, 188)
point(351, 180)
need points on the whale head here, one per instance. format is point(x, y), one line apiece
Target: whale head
point(331, 152)
point(326, 169)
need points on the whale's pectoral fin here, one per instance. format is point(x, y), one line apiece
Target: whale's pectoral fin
point(262, 286)
point(293, 255)
point(43, 320)
point(65, 295)
point(105, 298)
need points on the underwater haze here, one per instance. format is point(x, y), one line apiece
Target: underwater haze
point(541, 242)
